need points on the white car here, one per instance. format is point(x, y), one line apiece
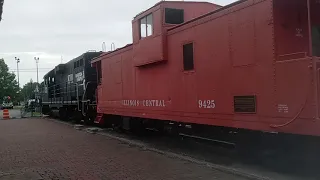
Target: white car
point(7, 105)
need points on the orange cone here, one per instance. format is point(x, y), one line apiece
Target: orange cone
point(6, 114)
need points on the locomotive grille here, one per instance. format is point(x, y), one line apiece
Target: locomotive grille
point(245, 104)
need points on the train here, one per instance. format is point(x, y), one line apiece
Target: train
point(69, 89)
point(199, 68)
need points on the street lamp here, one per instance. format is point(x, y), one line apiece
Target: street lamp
point(18, 61)
point(37, 61)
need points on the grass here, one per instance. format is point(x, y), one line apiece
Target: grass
point(17, 107)
point(36, 114)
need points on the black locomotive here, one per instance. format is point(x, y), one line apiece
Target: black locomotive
point(70, 88)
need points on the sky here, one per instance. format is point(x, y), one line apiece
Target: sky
point(59, 30)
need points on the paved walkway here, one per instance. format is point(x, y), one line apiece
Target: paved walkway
point(43, 149)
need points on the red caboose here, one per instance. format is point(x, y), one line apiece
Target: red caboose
point(253, 64)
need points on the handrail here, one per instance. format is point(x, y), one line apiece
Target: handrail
point(84, 93)
point(113, 46)
point(77, 91)
point(104, 48)
point(62, 84)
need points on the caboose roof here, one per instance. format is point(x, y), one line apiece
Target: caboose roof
point(210, 13)
point(171, 2)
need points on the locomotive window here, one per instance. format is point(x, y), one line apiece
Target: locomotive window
point(81, 62)
point(75, 65)
point(174, 16)
point(146, 26)
point(70, 78)
point(78, 63)
point(188, 57)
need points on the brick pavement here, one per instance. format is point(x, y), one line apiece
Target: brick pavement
point(50, 150)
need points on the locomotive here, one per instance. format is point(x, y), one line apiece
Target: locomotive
point(69, 90)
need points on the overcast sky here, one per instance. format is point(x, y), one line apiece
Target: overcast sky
point(49, 29)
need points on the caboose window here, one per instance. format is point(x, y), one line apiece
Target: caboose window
point(146, 26)
point(174, 16)
point(188, 57)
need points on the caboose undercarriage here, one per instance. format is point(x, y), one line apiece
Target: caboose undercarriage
point(287, 150)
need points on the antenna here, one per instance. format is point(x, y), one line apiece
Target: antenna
point(61, 59)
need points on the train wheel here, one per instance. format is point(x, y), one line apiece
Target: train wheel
point(136, 126)
point(77, 117)
point(63, 114)
point(88, 120)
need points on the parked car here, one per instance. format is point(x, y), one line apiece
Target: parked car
point(8, 105)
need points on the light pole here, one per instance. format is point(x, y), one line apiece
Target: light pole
point(18, 61)
point(37, 87)
point(37, 61)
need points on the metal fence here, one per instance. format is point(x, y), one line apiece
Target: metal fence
point(34, 110)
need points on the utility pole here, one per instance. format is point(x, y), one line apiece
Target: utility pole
point(18, 61)
point(37, 61)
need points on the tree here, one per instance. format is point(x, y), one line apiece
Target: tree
point(8, 84)
point(29, 90)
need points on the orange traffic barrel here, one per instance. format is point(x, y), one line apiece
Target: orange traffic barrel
point(6, 114)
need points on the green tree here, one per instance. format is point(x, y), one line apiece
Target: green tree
point(8, 84)
point(29, 90)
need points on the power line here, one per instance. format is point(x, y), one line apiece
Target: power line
point(30, 69)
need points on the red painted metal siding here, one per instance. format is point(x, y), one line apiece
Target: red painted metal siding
point(291, 29)
point(294, 71)
point(153, 48)
point(233, 54)
point(315, 12)
point(149, 49)
point(251, 48)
